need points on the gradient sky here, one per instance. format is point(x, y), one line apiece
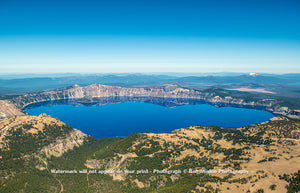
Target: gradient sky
point(149, 36)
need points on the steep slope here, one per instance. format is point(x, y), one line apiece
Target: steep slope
point(97, 90)
point(7, 109)
point(25, 144)
point(216, 97)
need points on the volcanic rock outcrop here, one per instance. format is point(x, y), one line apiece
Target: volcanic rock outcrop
point(163, 91)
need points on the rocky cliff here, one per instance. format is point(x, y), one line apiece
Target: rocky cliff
point(36, 126)
point(163, 91)
point(7, 109)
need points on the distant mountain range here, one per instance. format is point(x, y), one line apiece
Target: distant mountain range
point(274, 82)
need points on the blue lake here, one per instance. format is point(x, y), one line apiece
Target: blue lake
point(123, 119)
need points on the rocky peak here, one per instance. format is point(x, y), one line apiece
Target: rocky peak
point(75, 86)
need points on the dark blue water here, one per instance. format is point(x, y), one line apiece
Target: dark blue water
point(122, 119)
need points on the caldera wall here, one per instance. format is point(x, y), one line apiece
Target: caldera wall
point(163, 91)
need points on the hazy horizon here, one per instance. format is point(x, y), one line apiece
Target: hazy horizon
point(170, 73)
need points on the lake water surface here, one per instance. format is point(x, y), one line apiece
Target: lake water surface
point(123, 119)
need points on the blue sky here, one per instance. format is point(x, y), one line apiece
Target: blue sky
point(149, 36)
